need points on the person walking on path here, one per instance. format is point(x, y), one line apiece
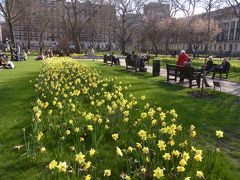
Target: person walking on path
point(18, 52)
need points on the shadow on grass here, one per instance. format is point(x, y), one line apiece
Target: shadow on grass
point(170, 87)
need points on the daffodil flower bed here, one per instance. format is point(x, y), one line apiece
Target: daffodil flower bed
point(86, 127)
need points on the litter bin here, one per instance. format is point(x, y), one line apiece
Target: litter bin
point(156, 67)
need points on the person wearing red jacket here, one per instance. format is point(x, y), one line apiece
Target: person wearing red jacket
point(182, 58)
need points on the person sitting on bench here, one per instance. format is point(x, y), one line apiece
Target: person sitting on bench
point(115, 59)
point(209, 65)
point(182, 58)
point(188, 64)
point(222, 68)
point(142, 60)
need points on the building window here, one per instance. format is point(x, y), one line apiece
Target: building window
point(223, 36)
point(236, 47)
point(225, 31)
point(224, 47)
point(237, 36)
point(215, 47)
point(230, 47)
point(232, 28)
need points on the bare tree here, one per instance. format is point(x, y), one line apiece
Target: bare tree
point(44, 19)
point(209, 6)
point(129, 16)
point(11, 11)
point(64, 43)
point(184, 7)
point(235, 4)
point(28, 21)
point(197, 32)
point(77, 14)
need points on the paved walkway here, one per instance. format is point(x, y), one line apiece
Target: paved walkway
point(226, 86)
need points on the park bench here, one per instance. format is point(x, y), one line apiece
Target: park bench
point(108, 59)
point(224, 72)
point(183, 72)
point(132, 62)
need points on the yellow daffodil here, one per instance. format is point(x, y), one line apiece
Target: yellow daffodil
point(52, 165)
point(88, 177)
point(183, 162)
point(119, 151)
point(180, 169)
point(198, 157)
point(138, 145)
point(145, 150)
point(62, 166)
point(90, 127)
point(143, 170)
point(127, 177)
point(158, 173)
point(43, 150)
point(80, 158)
point(167, 156)
point(161, 145)
point(219, 134)
point(115, 136)
point(68, 132)
point(130, 149)
point(143, 97)
point(142, 134)
point(200, 174)
point(39, 136)
point(176, 153)
point(92, 152)
point(87, 166)
point(107, 172)
point(185, 156)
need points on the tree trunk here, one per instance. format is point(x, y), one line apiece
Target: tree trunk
point(41, 43)
point(28, 40)
point(123, 47)
point(156, 50)
point(166, 46)
point(77, 45)
point(194, 53)
point(11, 36)
point(11, 32)
point(206, 47)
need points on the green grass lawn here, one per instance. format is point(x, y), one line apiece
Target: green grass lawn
point(16, 96)
point(221, 111)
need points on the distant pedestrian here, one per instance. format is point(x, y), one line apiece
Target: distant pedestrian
point(18, 52)
point(24, 55)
